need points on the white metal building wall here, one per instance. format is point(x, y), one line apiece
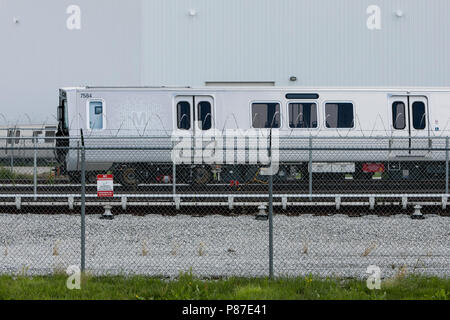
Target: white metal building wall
point(39, 54)
point(321, 42)
point(189, 42)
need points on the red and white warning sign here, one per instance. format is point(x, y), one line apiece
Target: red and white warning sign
point(105, 185)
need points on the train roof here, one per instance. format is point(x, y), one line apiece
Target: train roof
point(258, 88)
point(49, 126)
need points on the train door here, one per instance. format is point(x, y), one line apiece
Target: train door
point(194, 115)
point(409, 124)
point(96, 114)
point(9, 142)
point(13, 143)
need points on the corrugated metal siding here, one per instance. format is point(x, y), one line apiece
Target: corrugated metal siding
point(157, 42)
point(321, 42)
point(39, 54)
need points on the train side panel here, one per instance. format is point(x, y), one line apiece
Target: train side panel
point(139, 113)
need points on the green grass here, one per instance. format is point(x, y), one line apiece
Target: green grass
point(188, 287)
point(10, 176)
point(7, 174)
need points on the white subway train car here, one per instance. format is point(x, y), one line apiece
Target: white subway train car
point(415, 120)
point(18, 142)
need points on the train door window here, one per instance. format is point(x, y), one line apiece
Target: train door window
point(184, 115)
point(10, 134)
point(339, 115)
point(266, 115)
point(17, 136)
point(36, 135)
point(65, 115)
point(96, 115)
point(419, 115)
point(204, 115)
point(50, 133)
point(302, 115)
point(399, 115)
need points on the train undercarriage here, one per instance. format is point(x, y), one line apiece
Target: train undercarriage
point(392, 176)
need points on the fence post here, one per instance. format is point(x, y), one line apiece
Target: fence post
point(270, 208)
point(174, 172)
point(310, 168)
point(83, 203)
point(35, 169)
point(12, 158)
point(174, 179)
point(446, 165)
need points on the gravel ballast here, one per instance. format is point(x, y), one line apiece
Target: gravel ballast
point(215, 245)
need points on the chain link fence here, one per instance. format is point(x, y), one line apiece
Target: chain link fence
point(328, 207)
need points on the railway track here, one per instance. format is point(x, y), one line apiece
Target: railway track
point(360, 196)
point(194, 210)
point(319, 187)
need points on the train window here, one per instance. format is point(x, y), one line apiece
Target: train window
point(399, 115)
point(302, 96)
point(266, 115)
point(419, 115)
point(184, 115)
point(204, 115)
point(302, 115)
point(339, 115)
point(50, 135)
point(95, 114)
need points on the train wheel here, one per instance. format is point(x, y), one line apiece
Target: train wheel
point(74, 177)
point(91, 178)
point(129, 177)
point(202, 175)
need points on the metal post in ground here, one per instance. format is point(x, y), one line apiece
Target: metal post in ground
point(270, 209)
point(12, 158)
point(174, 179)
point(35, 169)
point(271, 225)
point(310, 168)
point(11, 141)
point(174, 176)
point(446, 165)
point(83, 203)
